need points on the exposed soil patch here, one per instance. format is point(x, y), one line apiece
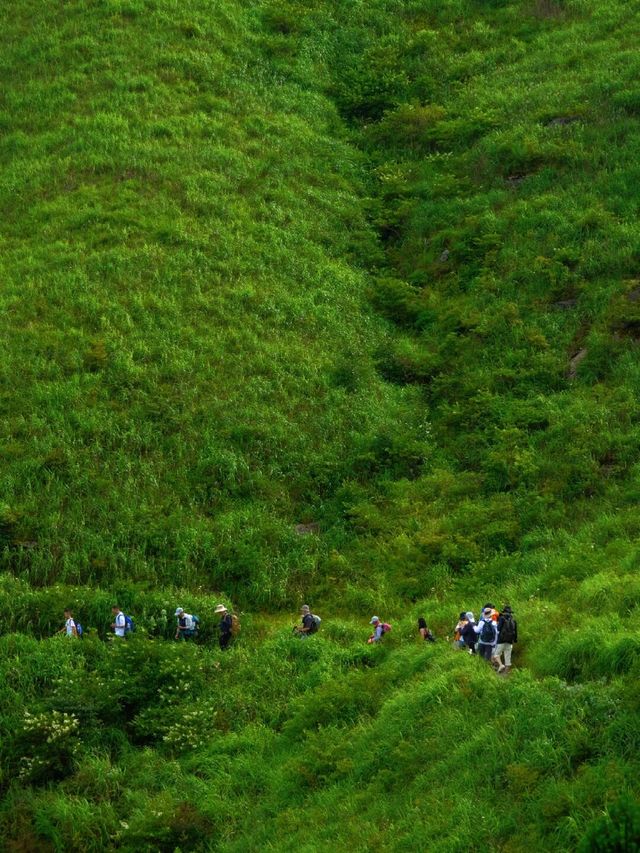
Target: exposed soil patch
point(307, 529)
point(575, 363)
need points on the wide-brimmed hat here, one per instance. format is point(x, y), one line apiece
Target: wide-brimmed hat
point(220, 609)
point(179, 611)
point(373, 621)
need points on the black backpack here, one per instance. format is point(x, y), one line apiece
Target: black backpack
point(508, 630)
point(487, 635)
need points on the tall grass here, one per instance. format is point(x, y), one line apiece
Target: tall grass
point(334, 303)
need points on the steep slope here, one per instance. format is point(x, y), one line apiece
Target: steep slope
point(372, 266)
point(186, 354)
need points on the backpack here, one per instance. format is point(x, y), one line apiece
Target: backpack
point(429, 636)
point(129, 625)
point(386, 627)
point(487, 635)
point(79, 630)
point(196, 622)
point(235, 625)
point(508, 630)
point(315, 623)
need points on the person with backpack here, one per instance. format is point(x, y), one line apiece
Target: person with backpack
point(458, 642)
point(226, 626)
point(310, 623)
point(487, 634)
point(187, 625)
point(424, 631)
point(379, 629)
point(119, 624)
point(468, 634)
point(70, 626)
point(507, 636)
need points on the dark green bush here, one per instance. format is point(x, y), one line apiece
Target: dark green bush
point(617, 831)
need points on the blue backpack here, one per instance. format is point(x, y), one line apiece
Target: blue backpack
point(129, 625)
point(193, 632)
point(79, 630)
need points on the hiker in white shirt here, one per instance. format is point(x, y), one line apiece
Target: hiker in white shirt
point(118, 624)
point(185, 627)
point(69, 625)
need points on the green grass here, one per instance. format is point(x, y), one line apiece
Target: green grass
point(371, 266)
point(179, 302)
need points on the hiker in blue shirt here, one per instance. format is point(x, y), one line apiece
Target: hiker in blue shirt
point(378, 630)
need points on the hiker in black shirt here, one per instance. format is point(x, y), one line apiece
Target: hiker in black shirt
point(468, 633)
point(423, 630)
point(226, 624)
point(507, 636)
point(309, 623)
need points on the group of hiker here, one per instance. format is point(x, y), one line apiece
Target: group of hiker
point(187, 625)
point(311, 622)
point(381, 628)
point(492, 636)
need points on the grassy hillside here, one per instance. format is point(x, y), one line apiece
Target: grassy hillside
point(368, 266)
point(186, 353)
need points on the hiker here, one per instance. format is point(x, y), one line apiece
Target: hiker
point(507, 636)
point(379, 630)
point(119, 622)
point(226, 626)
point(492, 608)
point(69, 625)
point(487, 634)
point(458, 642)
point(424, 631)
point(186, 625)
point(309, 622)
point(468, 634)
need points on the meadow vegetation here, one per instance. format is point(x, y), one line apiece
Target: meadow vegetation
point(370, 268)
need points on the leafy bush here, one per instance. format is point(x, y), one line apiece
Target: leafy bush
point(618, 830)
point(50, 743)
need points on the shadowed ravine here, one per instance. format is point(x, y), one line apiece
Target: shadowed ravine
point(332, 303)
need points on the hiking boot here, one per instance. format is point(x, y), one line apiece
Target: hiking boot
point(502, 668)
